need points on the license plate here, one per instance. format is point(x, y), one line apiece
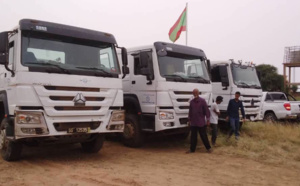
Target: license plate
point(79, 130)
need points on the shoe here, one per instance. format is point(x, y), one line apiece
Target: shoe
point(237, 138)
point(209, 150)
point(189, 151)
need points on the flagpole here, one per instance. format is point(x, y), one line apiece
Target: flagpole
point(186, 32)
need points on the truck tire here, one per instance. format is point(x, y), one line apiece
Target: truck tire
point(132, 135)
point(270, 117)
point(10, 150)
point(95, 145)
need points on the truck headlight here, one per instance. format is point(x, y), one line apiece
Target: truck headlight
point(166, 115)
point(118, 115)
point(28, 117)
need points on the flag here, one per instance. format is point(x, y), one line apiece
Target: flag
point(178, 27)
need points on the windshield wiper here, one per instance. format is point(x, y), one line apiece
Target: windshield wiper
point(201, 79)
point(98, 69)
point(243, 84)
point(256, 86)
point(49, 64)
point(175, 75)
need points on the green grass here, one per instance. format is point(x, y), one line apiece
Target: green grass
point(267, 142)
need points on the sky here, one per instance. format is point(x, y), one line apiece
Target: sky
point(248, 30)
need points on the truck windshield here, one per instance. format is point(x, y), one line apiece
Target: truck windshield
point(245, 76)
point(183, 68)
point(60, 54)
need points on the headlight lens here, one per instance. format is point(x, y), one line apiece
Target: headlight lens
point(28, 118)
point(166, 115)
point(118, 116)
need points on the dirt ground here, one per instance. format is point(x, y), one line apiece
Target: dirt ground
point(157, 163)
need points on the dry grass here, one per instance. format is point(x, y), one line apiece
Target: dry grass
point(270, 143)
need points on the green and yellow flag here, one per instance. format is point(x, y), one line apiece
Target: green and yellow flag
point(178, 27)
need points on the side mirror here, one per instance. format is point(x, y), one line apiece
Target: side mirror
point(224, 76)
point(125, 70)
point(3, 47)
point(124, 56)
point(208, 67)
point(144, 59)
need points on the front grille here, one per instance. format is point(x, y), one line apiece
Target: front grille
point(249, 101)
point(251, 106)
point(183, 92)
point(76, 108)
point(70, 98)
point(66, 126)
point(183, 121)
point(182, 100)
point(184, 107)
point(80, 89)
point(248, 96)
point(31, 108)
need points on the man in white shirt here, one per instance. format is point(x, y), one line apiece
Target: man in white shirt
point(214, 117)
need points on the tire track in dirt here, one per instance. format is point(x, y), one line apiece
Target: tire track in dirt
point(155, 164)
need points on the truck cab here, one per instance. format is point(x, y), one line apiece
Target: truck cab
point(58, 83)
point(158, 89)
point(229, 77)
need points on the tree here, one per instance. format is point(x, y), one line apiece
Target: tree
point(294, 88)
point(269, 78)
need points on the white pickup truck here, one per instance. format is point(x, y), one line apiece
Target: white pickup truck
point(279, 106)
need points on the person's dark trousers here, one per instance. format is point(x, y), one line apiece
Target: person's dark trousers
point(235, 125)
point(203, 135)
point(214, 133)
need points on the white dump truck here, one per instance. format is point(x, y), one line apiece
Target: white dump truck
point(158, 88)
point(229, 77)
point(58, 83)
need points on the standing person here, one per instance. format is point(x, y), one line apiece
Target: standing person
point(197, 112)
point(214, 117)
point(233, 115)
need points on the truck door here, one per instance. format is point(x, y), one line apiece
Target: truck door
point(220, 86)
point(142, 81)
point(5, 76)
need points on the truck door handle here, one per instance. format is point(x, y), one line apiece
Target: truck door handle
point(133, 82)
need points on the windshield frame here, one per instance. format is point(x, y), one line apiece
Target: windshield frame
point(187, 79)
point(235, 66)
point(69, 69)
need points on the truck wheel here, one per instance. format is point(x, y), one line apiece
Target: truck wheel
point(10, 150)
point(95, 145)
point(132, 135)
point(270, 117)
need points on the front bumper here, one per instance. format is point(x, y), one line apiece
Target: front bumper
point(58, 126)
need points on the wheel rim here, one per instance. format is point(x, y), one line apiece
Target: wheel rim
point(128, 130)
point(3, 141)
point(270, 118)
